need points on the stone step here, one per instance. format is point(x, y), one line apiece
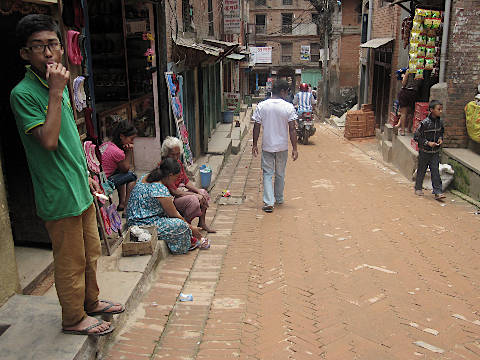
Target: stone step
point(387, 132)
point(387, 148)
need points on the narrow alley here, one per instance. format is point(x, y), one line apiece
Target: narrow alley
point(352, 266)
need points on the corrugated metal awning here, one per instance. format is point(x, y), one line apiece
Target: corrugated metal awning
point(235, 56)
point(376, 43)
point(207, 49)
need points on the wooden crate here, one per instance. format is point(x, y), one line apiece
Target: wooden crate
point(130, 248)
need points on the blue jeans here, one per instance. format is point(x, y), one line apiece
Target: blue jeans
point(119, 178)
point(273, 162)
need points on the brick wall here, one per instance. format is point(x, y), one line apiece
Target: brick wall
point(350, 15)
point(463, 68)
point(349, 59)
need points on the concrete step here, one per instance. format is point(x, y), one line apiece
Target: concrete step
point(31, 325)
point(387, 151)
point(404, 156)
point(219, 143)
point(387, 132)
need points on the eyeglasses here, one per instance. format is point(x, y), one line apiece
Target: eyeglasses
point(40, 48)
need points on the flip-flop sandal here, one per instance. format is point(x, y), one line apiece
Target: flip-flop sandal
point(205, 244)
point(87, 332)
point(104, 310)
point(267, 208)
point(193, 243)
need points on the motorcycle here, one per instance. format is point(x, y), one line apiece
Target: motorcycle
point(305, 128)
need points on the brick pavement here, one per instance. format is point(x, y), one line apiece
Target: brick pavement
point(352, 266)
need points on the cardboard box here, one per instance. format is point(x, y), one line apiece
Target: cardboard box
point(130, 248)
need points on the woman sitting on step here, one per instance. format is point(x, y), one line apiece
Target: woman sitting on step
point(151, 203)
point(190, 201)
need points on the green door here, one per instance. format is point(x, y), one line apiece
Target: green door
point(312, 76)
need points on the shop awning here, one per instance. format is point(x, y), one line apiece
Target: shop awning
point(220, 43)
point(235, 56)
point(207, 49)
point(376, 43)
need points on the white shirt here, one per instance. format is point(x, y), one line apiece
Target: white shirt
point(274, 116)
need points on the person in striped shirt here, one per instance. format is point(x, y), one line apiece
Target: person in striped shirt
point(304, 100)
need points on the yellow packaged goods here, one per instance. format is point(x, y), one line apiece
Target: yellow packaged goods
point(436, 14)
point(420, 50)
point(419, 74)
point(429, 64)
point(420, 61)
point(415, 37)
point(413, 49)
point(472, 115)
point(431, 40)
point(422, 39)
point(430, 51)
point(417, 25)
point(436, 23)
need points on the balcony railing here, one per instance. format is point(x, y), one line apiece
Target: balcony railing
point(287, 58)
point(260, 2)
point(286, 29)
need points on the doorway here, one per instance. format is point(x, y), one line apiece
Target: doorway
point(381, 83)
point(27, 228)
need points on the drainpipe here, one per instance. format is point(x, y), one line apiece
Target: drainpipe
point(443, 50)
point(369, 37)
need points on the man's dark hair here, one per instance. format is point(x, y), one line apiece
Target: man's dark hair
point(33, 23)
point(434, 103)
point(278, 86)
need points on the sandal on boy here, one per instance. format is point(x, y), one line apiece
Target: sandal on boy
point(87, 332)
point(105, 311)
point(267, 208)
point(204, 244)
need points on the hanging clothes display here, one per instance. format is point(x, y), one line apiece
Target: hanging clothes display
point(175, 94)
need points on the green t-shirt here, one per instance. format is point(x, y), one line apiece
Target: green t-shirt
point(59, 177)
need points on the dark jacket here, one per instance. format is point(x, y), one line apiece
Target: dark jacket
point(430, 129)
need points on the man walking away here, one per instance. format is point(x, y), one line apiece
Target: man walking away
point(277, 117)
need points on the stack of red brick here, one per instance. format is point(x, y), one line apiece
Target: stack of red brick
point(421, 112)
point(360, 123)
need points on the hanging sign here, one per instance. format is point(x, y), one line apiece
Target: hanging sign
point(232, 101)
point(231, 16)
point(261, 55)
point(305, 52)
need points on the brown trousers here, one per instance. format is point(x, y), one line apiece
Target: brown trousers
point(76, 249)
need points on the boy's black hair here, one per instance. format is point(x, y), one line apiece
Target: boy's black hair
point(125, 128)
point(167, 167)
point(33, 23)
point(278, 86)
point(434, 103)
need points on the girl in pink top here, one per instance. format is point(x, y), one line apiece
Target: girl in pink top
point(117, 159)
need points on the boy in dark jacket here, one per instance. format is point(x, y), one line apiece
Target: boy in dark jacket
point(429, 137)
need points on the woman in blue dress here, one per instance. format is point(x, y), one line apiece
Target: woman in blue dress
point(150, 203)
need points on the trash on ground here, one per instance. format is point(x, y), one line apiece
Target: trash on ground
point(185, 297)
point(226, 193)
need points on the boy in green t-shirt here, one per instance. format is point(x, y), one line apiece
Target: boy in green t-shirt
point(60, 179)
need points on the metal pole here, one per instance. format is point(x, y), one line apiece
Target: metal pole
point(325, 63)
point(367, 67)
point(443, 50)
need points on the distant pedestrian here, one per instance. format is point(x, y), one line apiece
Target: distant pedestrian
point(429, 137)
point(277, 117)
point(56, 160)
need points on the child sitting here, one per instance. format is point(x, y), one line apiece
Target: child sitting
point(117, 160)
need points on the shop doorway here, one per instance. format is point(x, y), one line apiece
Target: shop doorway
point(27, 228)
point(381, 83)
